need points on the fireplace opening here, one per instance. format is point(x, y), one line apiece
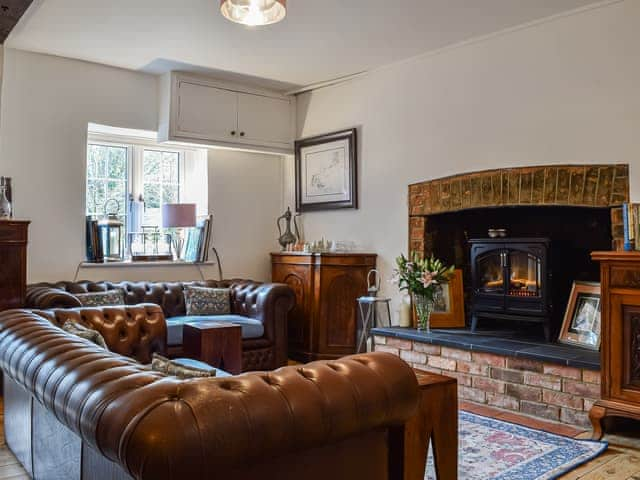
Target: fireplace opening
point(530, 273)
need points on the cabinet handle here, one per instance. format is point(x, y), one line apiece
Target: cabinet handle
point(242, 134)
point(233, 132)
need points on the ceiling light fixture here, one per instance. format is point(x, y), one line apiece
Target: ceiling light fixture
point(254, 12)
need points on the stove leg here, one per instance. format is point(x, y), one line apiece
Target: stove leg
point(474, 323)
point(547, 332)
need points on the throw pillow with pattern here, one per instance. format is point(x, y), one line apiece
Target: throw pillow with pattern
point(83, 332)
point(101, 299)
point(207, 301)
point(166, 366)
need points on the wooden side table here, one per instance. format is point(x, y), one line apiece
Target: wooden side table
point(218, 344)
point(435, 422)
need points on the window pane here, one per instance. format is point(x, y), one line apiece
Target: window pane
point(170, 167)
point(117, 163)
point(170, 194)
point(152, 195)
point(117, 190)
point(152, 164)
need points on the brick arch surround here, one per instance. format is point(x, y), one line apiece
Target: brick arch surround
point(557, 185)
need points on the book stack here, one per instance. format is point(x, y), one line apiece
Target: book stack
point(198, 241)
point(94, 242)
point(631, 225)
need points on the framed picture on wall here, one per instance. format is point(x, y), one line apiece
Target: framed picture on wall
point(326, 172)
point(448, 304)
point(581, 325)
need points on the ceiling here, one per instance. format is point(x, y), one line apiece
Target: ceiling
point(319, 40)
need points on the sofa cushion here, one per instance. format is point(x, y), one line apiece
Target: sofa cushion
point(83, 332)
point(180, 370)
point(102, 299)
point(207, 301)
point(251, 328)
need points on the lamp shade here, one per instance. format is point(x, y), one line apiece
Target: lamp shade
point(178, 215)
point(254, 12)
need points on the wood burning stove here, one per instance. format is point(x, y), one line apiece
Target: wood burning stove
point(511, 280)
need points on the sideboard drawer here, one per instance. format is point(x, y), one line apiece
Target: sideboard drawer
point(12, 232)
point(625, 276)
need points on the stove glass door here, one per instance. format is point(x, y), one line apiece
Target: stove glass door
point(525, 274)
point(490, 271)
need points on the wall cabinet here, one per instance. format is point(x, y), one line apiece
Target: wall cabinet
point(13, 261)
point(323, 323)
point(620, 347)
point(200, 110)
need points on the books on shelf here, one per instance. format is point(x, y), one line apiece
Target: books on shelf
point(198, 241)
point(631, 226)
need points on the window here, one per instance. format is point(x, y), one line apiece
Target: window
point(137, 176)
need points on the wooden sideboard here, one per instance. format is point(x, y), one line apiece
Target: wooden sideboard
point(324, 322)
point(13, 258)
point(620, 350)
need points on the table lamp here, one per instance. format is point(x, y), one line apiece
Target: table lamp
point(178, 216)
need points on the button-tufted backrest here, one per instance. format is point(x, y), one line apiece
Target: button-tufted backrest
point(134, 331)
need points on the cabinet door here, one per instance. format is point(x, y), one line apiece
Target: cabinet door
point(206, 112)
point(264, 119)
point(624, 347)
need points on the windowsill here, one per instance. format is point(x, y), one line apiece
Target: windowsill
point(130, 264)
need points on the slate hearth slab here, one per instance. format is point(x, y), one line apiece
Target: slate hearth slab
point(527, 348)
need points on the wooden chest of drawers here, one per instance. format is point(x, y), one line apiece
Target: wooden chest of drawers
point(13, 259)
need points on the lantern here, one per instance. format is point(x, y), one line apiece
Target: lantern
point(374, 312)
point(110, 233)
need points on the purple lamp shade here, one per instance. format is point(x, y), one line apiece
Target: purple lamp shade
point(178, 215)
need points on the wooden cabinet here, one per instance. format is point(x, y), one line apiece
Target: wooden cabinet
point(620, 350)
point(13, 259)
point(324, 322)
point(202, 110)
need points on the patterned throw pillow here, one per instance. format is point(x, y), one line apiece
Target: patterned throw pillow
point(84, 332)
point(164, 365)
point(101, 299)
point(207, 301)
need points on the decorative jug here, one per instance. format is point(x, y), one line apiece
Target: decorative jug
point(5, 205)
point(288, 237)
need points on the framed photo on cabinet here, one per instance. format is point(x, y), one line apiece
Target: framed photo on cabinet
point(448, 304)
point(326, 171)
point(581, 325)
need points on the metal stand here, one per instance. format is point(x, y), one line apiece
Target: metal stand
point(370, 319)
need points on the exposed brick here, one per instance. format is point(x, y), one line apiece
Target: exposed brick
point(385, 348)
point(510, 376)
point(590, 376)
point(472, 394)
point(488, 385)
point(489, 359)
point(565, 372)
point(575, 417)
point(443, 363)
point(545, 381)
point(590, 390)
point(426, 348)
point(379, 340)
point(524, 392)
point(562, 399)
point(473, 368)
point(543, 410)
point(462, 378)
point(413, 357)
point(399, 343)
point(456, 354)
point(588, 403)
point(524, 364)
point(503, 401)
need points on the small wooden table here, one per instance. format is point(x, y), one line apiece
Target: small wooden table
point(435, 422)
point(217, 343)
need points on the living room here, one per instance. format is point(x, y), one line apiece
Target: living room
point(455, 120)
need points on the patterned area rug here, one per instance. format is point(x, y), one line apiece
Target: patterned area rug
point(492, 449)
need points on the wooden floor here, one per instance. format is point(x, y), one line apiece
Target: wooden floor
point(620, 462)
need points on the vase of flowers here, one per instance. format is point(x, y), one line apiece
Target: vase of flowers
point(421, 277)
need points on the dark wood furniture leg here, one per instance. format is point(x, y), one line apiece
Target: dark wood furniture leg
point(217, 344)
point(435, 422)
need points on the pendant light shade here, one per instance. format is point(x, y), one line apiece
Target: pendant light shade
point(254, 12)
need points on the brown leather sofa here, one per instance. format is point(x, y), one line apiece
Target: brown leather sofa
point(269, 304)
point(75, 411)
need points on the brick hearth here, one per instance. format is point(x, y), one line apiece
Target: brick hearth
point(540, 389)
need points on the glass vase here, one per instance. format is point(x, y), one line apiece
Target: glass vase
point(424, 307)
point(5, 205)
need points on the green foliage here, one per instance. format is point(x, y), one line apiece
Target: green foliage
point(421, 276)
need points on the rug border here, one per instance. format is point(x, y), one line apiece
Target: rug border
point(603, 443)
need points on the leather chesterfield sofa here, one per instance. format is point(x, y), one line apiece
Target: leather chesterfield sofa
point(265, 305)
point(76, 411)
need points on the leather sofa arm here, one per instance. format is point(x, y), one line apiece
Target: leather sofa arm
point(129, 413)
point(46, 297)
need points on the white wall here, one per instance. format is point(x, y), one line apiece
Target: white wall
point(563, 91)
point(46, 105)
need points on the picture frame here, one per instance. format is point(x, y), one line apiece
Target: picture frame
point(582, 319)
point(448, 309)
point(326, 171)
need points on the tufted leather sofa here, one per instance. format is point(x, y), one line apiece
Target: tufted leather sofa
point(267, 303)
point(74, 411)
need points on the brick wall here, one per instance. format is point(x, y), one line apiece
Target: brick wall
point(543, 390)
